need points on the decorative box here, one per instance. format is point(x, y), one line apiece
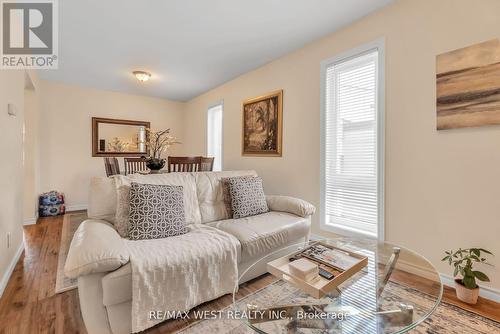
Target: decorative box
point(304, 269)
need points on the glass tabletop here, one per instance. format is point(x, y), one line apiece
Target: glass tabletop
point(394, 292)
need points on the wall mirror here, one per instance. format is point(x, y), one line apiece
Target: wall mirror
point(118, 137)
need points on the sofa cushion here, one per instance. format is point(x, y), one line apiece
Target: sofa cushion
point(102, 199)
point(210, 197)
point(226, 196)
point(259, 235)
point(122, 210)
point(186, 180)
point(156, 211)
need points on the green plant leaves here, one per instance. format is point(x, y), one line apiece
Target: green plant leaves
point(481, 276)
point(485, 251)
point(463, 261)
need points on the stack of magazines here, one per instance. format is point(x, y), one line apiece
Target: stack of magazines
point(331, 257)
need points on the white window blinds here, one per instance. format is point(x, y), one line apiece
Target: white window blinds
point(214, 135)
point(351, 140)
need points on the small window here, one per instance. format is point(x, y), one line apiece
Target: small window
point(214, 135)
point(352, 139)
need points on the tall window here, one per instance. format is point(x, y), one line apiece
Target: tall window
point(214, 135)
point(352, 171)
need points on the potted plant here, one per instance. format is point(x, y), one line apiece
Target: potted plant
point(464, 260)
point(158, 142)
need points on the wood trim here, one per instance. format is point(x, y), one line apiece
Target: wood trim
point(95, 136)
point(279, 150)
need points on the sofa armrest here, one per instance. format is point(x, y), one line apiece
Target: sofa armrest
point(96, 247)
point(291, 205)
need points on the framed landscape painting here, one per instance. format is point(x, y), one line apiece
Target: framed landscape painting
point(468, 86)
point(263, 125)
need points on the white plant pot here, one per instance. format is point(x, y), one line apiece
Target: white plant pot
point(466, 295)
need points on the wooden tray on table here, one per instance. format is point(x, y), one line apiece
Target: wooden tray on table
point(340, 262)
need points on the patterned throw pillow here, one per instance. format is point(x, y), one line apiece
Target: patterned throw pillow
point(226, 193)
point(247, 196)
point(156, 211)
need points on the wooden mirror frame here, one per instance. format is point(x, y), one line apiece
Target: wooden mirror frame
point(95, 136)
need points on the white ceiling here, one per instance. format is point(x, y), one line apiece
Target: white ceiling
point(189, 46)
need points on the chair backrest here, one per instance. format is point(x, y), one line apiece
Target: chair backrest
point(111, 166)
point(207, 164)
point(184, 164)
point(134, 165)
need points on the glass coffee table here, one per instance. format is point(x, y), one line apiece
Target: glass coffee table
point(397, 290)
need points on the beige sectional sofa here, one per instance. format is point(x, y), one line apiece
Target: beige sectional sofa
point(98, 256)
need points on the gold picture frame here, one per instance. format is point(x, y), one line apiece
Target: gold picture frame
point(262, 130)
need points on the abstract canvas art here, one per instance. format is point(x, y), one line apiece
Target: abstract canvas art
point(468, 86)
point(262, 125)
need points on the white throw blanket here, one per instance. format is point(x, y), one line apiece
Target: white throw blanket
point(178, 273)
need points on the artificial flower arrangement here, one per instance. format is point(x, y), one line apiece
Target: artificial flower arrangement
point(158, 142)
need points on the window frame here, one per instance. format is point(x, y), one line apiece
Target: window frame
point(378, 45)
point(216, 104)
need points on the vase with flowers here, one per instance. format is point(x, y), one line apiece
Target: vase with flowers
point(158, 142)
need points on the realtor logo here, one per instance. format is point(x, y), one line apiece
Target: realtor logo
point(29, 34)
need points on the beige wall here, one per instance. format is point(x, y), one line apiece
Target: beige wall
point(11, 168)
point(31, 180)
point(442, 188)
point(66, 162)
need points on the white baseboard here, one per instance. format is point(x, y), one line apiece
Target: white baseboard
point(484, 291)
point(29, 221)
point(10, 268)
point(76, 207)
point(418, 270)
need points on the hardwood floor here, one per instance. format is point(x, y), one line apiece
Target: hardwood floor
point(29, 304)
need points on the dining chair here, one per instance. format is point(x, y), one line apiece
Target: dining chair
point(184, 164)
point(134, 165)
point(111, 166)
point(207, 164)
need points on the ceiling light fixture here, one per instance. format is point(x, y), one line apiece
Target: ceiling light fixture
point(142, 76)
